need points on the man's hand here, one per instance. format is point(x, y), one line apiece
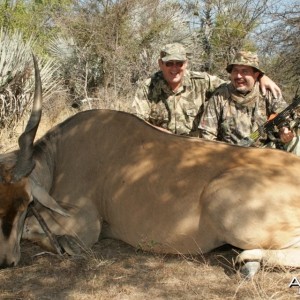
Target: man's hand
point(286, 135)
point(267, 83)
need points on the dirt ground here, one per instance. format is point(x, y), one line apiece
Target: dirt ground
point(115, 270)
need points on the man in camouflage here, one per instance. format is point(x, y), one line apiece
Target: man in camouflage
point(238, 108)
point(173, 97)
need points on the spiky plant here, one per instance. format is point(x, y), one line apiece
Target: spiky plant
point(17, 78)
point(75, 66)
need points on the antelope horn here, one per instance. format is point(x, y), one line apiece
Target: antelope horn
point(25, 162)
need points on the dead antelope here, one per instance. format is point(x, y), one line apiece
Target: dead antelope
point(109, 172)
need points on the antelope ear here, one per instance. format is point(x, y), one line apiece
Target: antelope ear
point(43, 197)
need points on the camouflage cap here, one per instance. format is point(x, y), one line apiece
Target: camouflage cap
point(173, 51)
point(245, 58)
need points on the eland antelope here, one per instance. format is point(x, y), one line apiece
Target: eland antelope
point(110, 173)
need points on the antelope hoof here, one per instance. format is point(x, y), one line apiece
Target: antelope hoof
point(249, 269)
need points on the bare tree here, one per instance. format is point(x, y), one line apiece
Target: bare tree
point(225, 26)
point(116, 43)
point(281, 46)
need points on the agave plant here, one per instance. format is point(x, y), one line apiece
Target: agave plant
point(16, 77)
point(75, 66)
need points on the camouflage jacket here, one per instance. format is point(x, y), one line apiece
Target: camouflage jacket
point(226, 120)
point(178, 112)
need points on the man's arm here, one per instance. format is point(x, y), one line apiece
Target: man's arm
point(281, 108)
point(209, 120)
point(141, 104)
point(265, 83)
point(278, 118)
point(213, 83)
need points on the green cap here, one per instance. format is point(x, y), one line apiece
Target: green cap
point(173, 51)
point(245, 58)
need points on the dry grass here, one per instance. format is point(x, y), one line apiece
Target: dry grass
point(54, 112)
point(115, 270)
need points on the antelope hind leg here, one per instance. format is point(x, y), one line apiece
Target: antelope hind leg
point(251, 260)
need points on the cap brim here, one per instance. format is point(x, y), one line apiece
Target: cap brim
point(174, 57)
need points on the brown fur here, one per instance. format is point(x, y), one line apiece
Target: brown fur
point(165, 193)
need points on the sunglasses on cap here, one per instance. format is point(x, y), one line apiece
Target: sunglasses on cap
point(176, 63)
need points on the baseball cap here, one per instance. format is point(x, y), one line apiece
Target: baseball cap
point(174, 51)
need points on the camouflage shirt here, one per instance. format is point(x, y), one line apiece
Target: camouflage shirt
point(226, 119)
point(178, 112)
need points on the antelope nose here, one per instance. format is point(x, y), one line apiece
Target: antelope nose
point(5, 264)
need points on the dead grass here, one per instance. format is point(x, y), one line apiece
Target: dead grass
point(115, 270)
point(53, 113)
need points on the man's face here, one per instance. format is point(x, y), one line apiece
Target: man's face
point(173, 71)
point(243, 78)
